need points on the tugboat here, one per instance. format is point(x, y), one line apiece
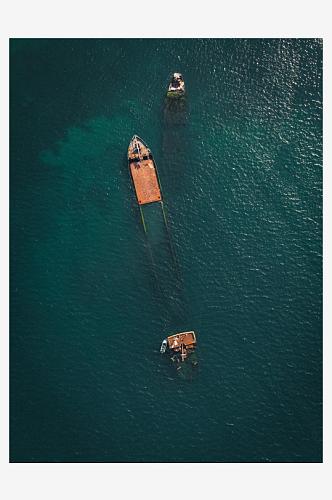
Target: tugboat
point(184, 354)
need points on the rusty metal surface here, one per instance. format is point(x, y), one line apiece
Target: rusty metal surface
point(145, 181)
point(186, 338)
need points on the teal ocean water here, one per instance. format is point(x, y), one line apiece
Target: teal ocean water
point(243, 200)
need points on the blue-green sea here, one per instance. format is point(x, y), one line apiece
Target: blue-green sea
point(242, 191)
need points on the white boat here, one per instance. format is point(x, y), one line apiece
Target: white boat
point(163, 346)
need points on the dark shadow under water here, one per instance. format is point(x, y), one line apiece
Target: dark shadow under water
point(174, 155)
point(168, 281)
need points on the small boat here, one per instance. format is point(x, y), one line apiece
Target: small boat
point(163, 346)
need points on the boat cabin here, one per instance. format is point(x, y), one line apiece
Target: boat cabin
point(177, 83)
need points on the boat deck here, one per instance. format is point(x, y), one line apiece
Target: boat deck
point(186, 338)
point(145, 181)
point(137, 149)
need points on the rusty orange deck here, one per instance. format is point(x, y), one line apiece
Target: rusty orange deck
point(145, 181)
point(186, 338)
point(143, 171)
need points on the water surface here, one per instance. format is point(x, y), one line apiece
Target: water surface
point(244, 207)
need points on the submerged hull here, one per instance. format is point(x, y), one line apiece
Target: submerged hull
point(184, 357)
point(189, 368)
